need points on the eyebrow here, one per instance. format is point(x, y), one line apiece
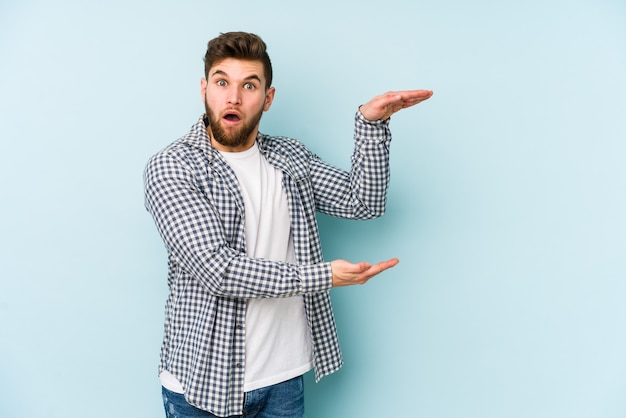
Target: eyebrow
point(250, 77)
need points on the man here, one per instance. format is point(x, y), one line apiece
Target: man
point(248, 311)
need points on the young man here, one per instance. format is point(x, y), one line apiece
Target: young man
point(249, 311)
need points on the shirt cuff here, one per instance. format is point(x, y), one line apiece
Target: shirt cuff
point(360, 118)
point(316, 278)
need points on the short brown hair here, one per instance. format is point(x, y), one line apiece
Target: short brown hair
point(240, 45)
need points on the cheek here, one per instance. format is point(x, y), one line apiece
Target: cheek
point(212, 95)
point(210, 100)
point(256, 104)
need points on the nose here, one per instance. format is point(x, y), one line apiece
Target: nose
point(234, 96)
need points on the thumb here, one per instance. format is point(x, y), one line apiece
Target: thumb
point(362, 266)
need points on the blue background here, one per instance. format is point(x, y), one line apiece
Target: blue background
point(507, 206)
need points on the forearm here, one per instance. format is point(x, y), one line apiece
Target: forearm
point(244, 277)
point(227, 272)
point(360, 193)
point(194, 235)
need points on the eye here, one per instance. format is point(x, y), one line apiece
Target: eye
point(221, 83)
point(249, 86)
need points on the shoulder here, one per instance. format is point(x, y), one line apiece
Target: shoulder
point(174, 154)
point(187, 151)
point(175, 160)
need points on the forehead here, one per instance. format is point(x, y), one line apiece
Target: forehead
point(237, 69)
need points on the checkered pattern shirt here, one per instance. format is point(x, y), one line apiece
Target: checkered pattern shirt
point(196, 203)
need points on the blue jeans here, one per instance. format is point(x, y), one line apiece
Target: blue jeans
point(284, 399)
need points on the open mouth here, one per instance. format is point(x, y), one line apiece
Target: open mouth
point(232, 117)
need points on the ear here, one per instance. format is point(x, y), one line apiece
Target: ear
point(269, 98)
point(203, 86)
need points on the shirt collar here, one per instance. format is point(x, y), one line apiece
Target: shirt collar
point(198, 137)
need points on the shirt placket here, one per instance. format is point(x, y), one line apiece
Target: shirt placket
point(239, 358)
point(238, 354)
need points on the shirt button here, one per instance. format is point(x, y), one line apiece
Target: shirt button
point(238, 365)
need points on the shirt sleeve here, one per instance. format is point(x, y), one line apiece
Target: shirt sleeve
point(195, 238)
point(360, 193)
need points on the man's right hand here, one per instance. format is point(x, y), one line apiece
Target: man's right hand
point(347, 274)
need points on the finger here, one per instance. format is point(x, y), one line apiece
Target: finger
point(361, 267)
point(407, 94)
point(414, 97)
point(387, 100)
point(382, 266)
point(391, 102)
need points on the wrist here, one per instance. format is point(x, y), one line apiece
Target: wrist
point(361, 117)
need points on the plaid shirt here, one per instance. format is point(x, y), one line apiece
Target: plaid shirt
point(194, 198)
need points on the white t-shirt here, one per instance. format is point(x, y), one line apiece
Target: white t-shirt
point(278, 341)
point(278, 344)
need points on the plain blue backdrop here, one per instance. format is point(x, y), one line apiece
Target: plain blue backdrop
point(507, 206)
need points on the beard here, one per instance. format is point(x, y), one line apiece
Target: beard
point(235, 137)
